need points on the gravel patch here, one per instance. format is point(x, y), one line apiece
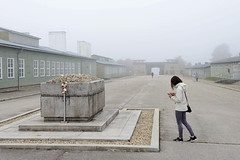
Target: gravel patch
point(141, 135)
point(74, 78)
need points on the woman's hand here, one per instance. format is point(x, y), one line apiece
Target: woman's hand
point(171, 94)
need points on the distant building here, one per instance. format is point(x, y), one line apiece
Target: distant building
point(57, 40)
point(107, 68)
point(84, 48)
point(139, 67)
point(228, 68)
point(171, 60)
point(171, 67)
point(139, 61)
point(102, 58)
point(202, 70)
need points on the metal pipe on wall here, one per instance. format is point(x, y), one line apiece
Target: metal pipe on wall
point(18, 67)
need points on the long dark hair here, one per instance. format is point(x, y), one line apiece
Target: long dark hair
point(175, 80)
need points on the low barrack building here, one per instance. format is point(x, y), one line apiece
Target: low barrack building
point(202, 70)
point(228, 68)
point(24, 62)
point(107, 68)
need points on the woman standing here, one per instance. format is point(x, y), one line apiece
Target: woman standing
point(180, 107)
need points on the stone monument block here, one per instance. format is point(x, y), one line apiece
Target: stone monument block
point(83, 100)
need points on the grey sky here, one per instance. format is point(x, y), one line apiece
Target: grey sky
point(153, 30)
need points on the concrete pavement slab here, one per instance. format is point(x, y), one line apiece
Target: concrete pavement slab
point(119, 128)
point(99, 123)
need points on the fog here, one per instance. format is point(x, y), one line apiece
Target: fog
point(152, 30)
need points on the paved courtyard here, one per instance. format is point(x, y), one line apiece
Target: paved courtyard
point(215, 120)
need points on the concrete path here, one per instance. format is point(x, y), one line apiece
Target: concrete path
point(15, 106)
point(13, 93)
point(121, 129)
point(215, 120)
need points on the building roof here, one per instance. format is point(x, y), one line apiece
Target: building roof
point(57, 32)
point(19, 33)
point(40, 49)
point(171, 60)
point(76, 54)
point(139, 60)
point(198, 66)
point(109, 63)
point(98, 57)
point(105, 60)
point(227, 60)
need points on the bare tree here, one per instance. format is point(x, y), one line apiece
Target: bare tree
point(180, 61)
point(221, 52)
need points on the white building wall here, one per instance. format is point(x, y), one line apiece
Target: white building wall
point(84, 48)
point(236, 71)
point(57, 40)
point(25, 40)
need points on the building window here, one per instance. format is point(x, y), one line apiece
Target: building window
point(69, 68)
point(42, 68)
point(62, 68)
point(79, 68)
point(66, 68)
point(0, 67)
point(73, 68)
point(10, 67)
point(48, 69)
point(21, 68)
point(58, 68)
point(53, 68)
point(35, 68)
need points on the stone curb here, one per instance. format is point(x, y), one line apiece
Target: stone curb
point(155, 131)
point(17, 97)
point(216, 85)
point(80, 147)
point(153, 147)
point(19, 115)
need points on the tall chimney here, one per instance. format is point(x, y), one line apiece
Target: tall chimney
point(57, 40)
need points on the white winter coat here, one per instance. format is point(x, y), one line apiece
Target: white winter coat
point(179, 98)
